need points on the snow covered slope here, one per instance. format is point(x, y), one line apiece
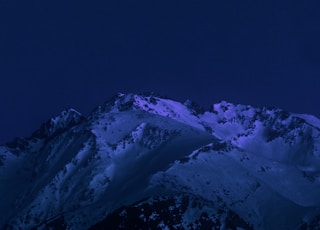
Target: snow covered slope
point(143, 161)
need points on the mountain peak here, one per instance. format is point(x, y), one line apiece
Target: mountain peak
point(159, 163)
point(152, 103)
point(67, 118)
point(122, 102)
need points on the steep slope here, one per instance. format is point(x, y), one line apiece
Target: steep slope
point(23, 160)
point(156, 163)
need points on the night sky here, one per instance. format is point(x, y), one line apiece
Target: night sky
point(60, 54)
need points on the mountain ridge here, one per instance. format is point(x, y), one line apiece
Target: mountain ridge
point(250, 165)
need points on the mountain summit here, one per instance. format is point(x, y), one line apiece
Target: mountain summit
point(141, 161)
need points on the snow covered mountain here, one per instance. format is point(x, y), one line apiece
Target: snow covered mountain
point(145, 162)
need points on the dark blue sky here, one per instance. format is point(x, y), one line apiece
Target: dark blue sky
point(59, 54)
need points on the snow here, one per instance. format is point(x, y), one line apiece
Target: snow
point(262, 164)
point(312, 120)
point(153, 216)
point(172, 109)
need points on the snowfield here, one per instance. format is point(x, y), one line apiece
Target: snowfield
point(140, 161)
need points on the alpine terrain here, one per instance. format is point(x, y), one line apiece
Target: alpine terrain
point(141, 161)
